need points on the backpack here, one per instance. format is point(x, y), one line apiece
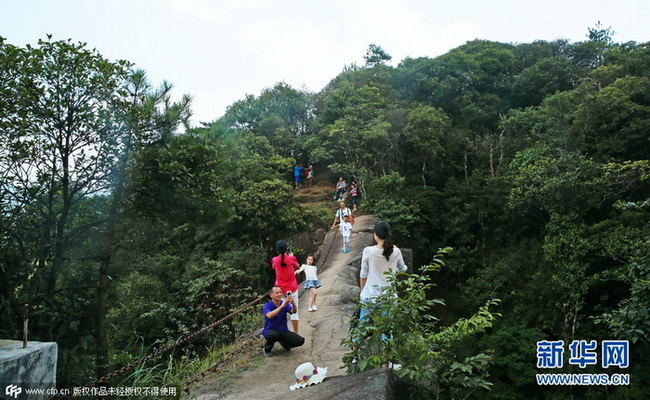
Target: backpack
point(342, 213)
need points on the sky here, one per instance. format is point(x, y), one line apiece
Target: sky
point(218, 51)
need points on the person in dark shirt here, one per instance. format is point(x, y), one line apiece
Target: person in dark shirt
point(275, 322)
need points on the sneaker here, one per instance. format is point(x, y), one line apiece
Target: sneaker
point(314, 308)
point(355, 361)
point(311, 308)
point(394, 367)
point(266, 353)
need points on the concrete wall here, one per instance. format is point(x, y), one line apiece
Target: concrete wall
point(24, 369)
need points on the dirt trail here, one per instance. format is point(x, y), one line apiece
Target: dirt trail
point(322, 329)
point(320, 193)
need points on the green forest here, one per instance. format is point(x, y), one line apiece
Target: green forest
point(123, 228)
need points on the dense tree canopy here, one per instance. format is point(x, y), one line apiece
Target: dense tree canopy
point(530, 160)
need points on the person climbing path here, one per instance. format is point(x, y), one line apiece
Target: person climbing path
point(346, 232)
point(339, 218)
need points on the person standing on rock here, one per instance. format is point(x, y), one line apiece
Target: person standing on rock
point(310, 174)
point(340, 213)
point(346, 232)
point(353, 196)
point(311, 281)
point(275, 321)
point(297, 175)
point(339, 217)
point(375, 261)
point(284, 265)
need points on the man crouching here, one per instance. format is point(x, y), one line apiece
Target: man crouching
point(275, 322)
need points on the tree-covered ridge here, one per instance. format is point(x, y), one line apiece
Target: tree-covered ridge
point(118, 231)
point(530, 160)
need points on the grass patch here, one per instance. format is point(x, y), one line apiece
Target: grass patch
point(217, 376)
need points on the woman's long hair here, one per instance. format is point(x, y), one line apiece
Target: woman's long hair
point(382, 230)
point(281, 247)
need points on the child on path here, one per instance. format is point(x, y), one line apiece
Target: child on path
point(346, 232)
point(311, 282)
point(353, 196)
point(338, 218)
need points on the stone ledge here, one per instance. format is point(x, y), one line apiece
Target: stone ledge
point(29, 368)
point(376, 384)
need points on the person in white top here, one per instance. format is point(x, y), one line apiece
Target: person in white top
point(311, 282)
point(340, 189)
point(346, 232)
point(375, 262)
point(342, 211)
point(338, 218)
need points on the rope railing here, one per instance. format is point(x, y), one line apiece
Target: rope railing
point(186, 339)
point(185, 386)
point(200, 375)
point(167, 349)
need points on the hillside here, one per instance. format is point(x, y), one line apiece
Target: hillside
point(323, 330)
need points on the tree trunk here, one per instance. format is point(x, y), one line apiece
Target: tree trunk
point(424, 170)
point(492, 172)
point(101, 334)
point(59, 247)
point(465, 167)
point(11, 327)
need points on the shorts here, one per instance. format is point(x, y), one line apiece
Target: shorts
point(295, 317)
point(298, 178)
point(353, 199)
point(313, 284)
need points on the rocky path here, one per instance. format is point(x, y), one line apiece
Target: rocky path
point(322, 329)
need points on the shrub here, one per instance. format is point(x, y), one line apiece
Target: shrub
point(404, 330)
